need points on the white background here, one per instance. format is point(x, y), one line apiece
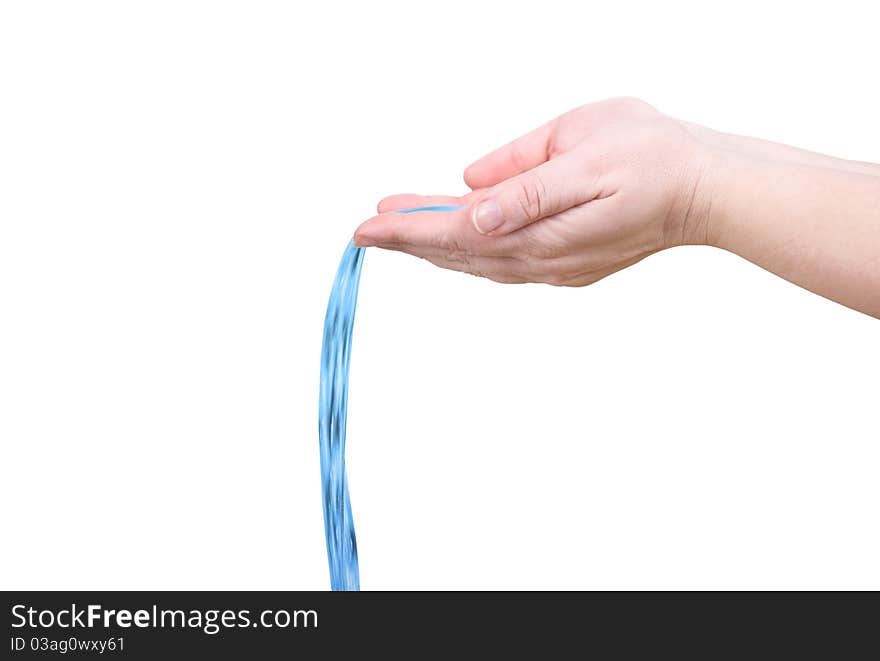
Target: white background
point(177, 183)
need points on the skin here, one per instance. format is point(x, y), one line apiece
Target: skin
point(607, 184)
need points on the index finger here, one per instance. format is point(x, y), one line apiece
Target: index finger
point(410, 200)
point(514, 158)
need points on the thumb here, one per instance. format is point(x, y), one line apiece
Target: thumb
point(543, 191)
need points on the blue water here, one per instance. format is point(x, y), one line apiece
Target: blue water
point(332, 414)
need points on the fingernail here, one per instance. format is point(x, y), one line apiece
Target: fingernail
point(487, 216)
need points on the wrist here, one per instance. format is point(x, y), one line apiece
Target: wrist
point(697, 204)
point(730, 184)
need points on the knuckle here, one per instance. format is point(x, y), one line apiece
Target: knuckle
point(531, 197)
point(628, 103)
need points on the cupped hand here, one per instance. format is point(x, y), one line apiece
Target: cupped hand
point(587, 194)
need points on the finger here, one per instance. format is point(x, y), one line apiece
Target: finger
point(449, 231)
point(552, 187)
point(512, 159)
point(410, 200)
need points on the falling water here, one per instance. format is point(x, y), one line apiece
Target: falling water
point(333, 408)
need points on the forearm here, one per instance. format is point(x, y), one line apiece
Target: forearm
point(818, 227)
point(775, 151)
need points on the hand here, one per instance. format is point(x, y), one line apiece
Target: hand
point(591, 192)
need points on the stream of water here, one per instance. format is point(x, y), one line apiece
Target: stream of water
point(332, 414)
